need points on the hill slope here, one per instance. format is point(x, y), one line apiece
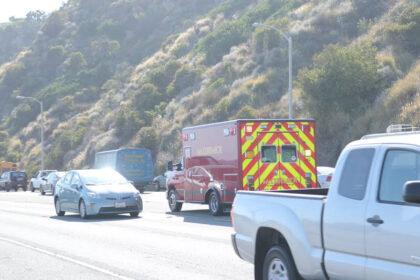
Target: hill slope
point(133, 73)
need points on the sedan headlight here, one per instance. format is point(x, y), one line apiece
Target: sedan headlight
point(136, 195)
point(93, 195)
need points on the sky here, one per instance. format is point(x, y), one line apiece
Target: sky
point(19, 8)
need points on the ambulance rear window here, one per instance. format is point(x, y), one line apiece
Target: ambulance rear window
point(268, 154)
point(288, 153)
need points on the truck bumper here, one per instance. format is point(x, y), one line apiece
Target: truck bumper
point(235, 247)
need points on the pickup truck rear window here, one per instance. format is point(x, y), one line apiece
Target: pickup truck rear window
point(399, 167)
point(356, 173)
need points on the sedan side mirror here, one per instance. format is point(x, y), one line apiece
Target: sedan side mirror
point(411, 191)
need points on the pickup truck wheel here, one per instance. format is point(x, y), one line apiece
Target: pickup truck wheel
point(215, 205)
point(157, 186)
point(32, 187)
point(279, 264)
point(173, 204)
point(41, 190)
point(58, 208)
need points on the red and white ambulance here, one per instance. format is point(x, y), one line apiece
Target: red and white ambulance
point(221, 158)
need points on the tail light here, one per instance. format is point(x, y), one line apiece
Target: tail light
point(329, 178)
point(10, 181)
point(232, 214)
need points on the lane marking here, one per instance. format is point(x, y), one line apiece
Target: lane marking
point(84, 264)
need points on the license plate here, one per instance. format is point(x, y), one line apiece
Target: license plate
point(119, 204)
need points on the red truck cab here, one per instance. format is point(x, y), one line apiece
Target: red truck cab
point(221, 158)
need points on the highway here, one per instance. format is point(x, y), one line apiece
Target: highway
point(36, 244)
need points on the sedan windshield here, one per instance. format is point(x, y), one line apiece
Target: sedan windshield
point(101, 177)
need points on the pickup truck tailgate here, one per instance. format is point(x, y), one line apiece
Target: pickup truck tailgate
point(295, 216)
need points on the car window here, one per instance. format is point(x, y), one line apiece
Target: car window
point(76, 180)
point(355, 173)
point(399, 167)
point(67, 178)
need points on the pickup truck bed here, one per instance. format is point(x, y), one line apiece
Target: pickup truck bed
point(292, 210)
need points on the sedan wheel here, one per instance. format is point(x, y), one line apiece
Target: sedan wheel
point(58, 208)
point(82, 210)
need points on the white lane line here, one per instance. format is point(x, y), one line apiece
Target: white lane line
point(84, 264)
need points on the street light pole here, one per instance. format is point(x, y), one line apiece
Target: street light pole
point(290, 43)
point(42, 125)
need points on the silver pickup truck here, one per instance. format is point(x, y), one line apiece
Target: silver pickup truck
point(365, 226)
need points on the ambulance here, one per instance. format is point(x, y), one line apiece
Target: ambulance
point(255, 155)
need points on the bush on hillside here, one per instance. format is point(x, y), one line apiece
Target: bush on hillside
point(342, 79)
point(406, 31)
point(185, 78)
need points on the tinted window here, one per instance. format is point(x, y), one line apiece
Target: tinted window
point(399, 167)
point(356, 173)
point(268, 154)
point(288, 153)
point(18, 174)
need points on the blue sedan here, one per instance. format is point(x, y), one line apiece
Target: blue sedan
point(96, 191)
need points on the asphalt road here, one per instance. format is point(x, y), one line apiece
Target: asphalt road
point(36, 244)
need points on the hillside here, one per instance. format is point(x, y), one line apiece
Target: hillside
point(115, 73)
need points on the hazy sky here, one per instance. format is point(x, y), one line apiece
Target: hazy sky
point(19, 8)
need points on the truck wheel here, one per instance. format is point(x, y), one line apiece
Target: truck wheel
point(215, 205)
point(32, 187)
point(58, 208)
point(134, 214)
point(173, 204)
point(157, 186)
point(279, 264)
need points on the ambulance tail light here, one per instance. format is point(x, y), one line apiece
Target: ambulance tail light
point(251, 182)
point(185, 137)
point(308, 181)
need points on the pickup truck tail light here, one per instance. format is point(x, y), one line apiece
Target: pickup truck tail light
point(329, 178)
point(232, 214)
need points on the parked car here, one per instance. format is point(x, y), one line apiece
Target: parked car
point(159, 182)
point(14, 180)
point(96, 191)
point(324, 176)
point(48, 185)
point(37, 181)
point(365, 226)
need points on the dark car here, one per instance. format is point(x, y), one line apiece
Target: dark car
point(14, 180)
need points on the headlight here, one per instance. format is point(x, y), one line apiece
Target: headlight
point(136, 195)
point(92, 195)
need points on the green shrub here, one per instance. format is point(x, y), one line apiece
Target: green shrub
point(342, 79)
point(246, 112)
point(185, 78)
point(406, 30)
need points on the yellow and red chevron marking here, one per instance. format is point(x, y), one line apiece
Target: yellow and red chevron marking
point(295, 172)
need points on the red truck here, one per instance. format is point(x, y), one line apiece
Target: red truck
point(220, 159)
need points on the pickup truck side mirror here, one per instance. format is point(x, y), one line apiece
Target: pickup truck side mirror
point(170, 165)
point(411, 191)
